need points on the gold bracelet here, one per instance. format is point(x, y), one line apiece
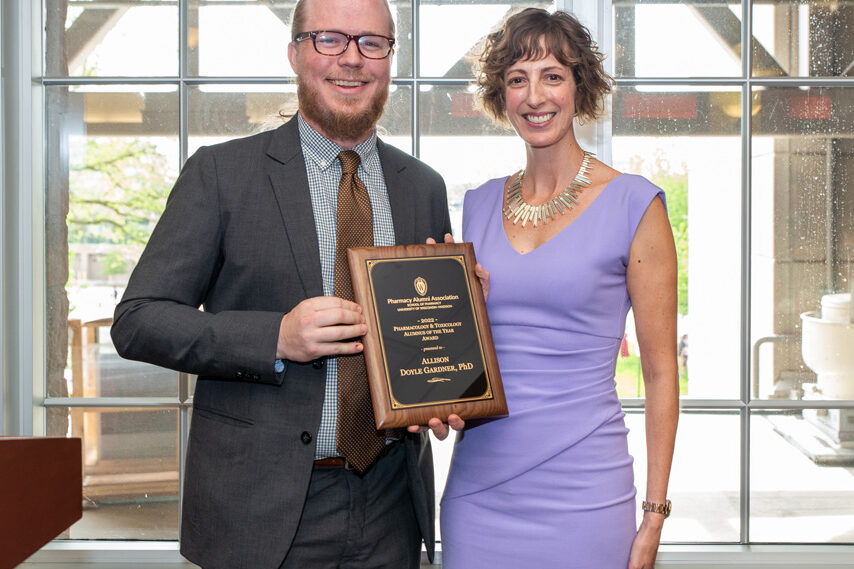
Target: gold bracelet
point(663, 509)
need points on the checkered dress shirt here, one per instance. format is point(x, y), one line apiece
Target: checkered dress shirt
point(324, 173)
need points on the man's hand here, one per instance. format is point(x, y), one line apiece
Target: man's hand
point(316, 327)
point(440, 429)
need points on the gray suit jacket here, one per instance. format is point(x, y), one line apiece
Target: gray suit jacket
point(238, 238)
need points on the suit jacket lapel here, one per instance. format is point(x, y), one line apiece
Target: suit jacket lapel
point(289, 180)
point(399, 195)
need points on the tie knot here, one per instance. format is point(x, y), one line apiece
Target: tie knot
point(349, 161)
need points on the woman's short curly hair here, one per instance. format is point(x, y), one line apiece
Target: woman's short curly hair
point(534, 34)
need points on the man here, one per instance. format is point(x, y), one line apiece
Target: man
point(251, 233)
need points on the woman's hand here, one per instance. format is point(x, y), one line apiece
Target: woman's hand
point(645, 545)
point(440, 430)
point(651, 282)
point(483, 277)
point(448, 239)
point(482, 274)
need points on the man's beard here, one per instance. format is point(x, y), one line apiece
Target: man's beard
point(339, 125)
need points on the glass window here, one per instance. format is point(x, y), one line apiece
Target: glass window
point(451, 33)
point(686, 142)
point(395, 126)
point(94, 367)
point(402, 13)
point(451, 127)
point(704, 484)
point(803, 230)
point(251, 39)
point(757, 191)
point(130, 472)
point(239, 38)
point(803, 39)
point(111, 39)
point(801, 488)
point(112, 156)
point(222, 112)
point(677, 39)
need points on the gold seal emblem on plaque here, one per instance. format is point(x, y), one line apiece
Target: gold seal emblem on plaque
point(420, 286)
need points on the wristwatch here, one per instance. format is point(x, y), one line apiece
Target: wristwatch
point(663, 509)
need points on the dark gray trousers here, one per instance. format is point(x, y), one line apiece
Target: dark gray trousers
point(358, 522)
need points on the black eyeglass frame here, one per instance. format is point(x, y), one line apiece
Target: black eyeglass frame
point(302, 36)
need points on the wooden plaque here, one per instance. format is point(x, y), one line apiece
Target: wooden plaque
point(428, 349)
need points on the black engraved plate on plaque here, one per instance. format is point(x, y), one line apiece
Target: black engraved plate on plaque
point(429, 335)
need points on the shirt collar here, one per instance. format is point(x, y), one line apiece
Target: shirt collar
point(323, 152)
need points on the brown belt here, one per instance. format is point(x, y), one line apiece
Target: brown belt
point(341, 462)
point(331, 462)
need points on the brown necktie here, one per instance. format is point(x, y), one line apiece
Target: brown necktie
point(358, 439)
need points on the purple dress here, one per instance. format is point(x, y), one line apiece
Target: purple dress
point(550, 486)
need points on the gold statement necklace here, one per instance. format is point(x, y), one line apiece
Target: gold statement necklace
point(516, 208)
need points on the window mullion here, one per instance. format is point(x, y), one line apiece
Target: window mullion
point(183, 66)
point(746, 129)
point(21, 301)
point(416, 76)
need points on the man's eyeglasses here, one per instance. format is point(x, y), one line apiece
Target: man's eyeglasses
point(335, 43)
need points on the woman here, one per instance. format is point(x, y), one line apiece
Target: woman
point(570, 244)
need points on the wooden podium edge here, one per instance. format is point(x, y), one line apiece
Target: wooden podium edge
point(41, 489)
